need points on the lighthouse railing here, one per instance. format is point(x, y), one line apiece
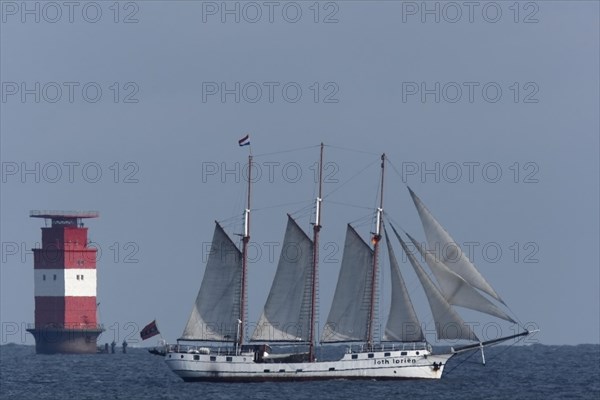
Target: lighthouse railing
point(53, 326)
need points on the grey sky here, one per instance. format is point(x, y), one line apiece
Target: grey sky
point(163, 130)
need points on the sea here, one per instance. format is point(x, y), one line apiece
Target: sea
point(511, 372)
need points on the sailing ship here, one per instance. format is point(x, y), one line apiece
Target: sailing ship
point(216, 326)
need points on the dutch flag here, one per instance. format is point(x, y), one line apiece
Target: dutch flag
point(245, 141)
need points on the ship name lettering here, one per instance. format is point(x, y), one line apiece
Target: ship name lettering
point(380, 362)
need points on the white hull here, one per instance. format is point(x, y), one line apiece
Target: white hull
point(412, 364)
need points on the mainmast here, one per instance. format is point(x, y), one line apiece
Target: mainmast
point(245, 241)
point(313, 293)
point(376, 239)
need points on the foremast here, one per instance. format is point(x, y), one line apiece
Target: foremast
point(313, 292)
point(245, 242)
point(376, 239)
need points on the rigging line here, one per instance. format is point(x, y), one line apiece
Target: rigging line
point(475, 351)
point(365, 219)
point(348, 204)
point(299, 217)
point(307, 209)
point(304, 210)
point(519, 323)
point(351, 178)
point(396, 170)
point(231, 226)
point(229, 221)
point(352, 150)
point(387, 216)
point(286, 151)
point(280, 205)
point(506, 348)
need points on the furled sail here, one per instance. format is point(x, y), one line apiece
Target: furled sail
point(349, 314)
point(455, 289)
point(449, 251)
point(403, 324)
point(217, 309)
point(286, 316)
point(448, 324)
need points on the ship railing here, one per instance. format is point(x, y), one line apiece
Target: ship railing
point(51, 326)
point(388, 347)
point(199, 349)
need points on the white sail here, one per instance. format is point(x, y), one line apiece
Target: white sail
point(217, 309)
point(448, 324)
point(286, 316)
point(455, 289)
point(349, 315)
point(450, 252)
point(403, 324)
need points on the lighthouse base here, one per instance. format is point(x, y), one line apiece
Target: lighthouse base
point(65, 341)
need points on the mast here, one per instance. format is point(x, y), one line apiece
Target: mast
point(313, 293)
point(245, 241)
point(376, 239)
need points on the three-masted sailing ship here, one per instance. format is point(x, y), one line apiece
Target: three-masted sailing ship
point(218, 318)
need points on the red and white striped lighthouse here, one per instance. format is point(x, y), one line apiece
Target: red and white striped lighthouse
point(65, 285)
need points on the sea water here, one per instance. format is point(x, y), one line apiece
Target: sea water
point(511, 372)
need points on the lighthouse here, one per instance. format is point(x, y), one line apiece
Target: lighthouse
point(65, 285)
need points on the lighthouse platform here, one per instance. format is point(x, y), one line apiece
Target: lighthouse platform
point(65, 340)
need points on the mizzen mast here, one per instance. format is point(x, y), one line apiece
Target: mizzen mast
point(313, 293)
point(376, 239)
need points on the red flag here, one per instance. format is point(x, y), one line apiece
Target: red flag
point(149, 330)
